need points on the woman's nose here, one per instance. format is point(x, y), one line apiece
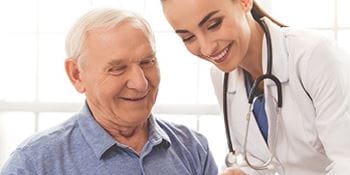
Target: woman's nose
point(207, 47)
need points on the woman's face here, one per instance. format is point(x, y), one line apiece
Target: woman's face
point(214, 30)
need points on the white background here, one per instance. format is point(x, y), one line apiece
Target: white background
point(35, 93)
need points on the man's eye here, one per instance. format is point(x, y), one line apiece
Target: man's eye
point(147, 63)
point(215, 25)
point(117, 70)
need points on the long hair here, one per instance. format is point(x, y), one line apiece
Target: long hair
point(258, 13)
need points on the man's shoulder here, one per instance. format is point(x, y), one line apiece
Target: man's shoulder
point(50, 138)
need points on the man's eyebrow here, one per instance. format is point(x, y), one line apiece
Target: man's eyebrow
point(114, 62)
point(151, 55)
point(117, 62)
point(207, 17)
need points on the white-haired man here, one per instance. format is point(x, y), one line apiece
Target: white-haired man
point(111, 59)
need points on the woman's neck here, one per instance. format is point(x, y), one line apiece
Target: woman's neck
point(252, 62)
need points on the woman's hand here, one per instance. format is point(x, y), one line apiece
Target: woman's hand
point(233, 171)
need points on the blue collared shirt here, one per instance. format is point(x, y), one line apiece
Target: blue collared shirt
point(81, 146)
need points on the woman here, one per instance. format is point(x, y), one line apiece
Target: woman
point(306, 77)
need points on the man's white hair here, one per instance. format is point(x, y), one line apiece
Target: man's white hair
point(101, 18)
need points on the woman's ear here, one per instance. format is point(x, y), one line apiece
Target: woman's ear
point(247, 5)
point(74, 74)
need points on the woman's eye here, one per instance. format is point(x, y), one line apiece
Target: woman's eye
point(215, 25)
point(189, 38)
point(148, 63)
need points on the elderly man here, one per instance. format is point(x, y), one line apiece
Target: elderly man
point(112, 61)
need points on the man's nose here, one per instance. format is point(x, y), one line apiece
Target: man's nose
point(137, 79)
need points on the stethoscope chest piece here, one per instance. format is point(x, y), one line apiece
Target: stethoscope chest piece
point(230, 159)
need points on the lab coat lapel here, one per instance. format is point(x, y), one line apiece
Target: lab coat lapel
point(271, 113)
point(280, 70)
point(279, 54)
point(238, 109)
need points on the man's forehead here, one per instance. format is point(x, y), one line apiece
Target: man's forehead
point(119, 36)
point(122, 44)
point(121, 28)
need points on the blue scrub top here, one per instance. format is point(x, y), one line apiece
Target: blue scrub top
point(259, 106)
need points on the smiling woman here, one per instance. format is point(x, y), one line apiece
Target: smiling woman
point(277, 75)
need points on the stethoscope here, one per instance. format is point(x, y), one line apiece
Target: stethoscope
point(233, 159)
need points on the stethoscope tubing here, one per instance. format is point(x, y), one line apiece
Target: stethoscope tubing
point(251, 100)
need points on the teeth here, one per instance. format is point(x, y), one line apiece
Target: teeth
point(133, 99)
point(222, 54)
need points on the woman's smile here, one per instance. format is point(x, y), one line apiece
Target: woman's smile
point(221, 56)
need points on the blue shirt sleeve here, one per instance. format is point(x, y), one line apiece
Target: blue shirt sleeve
point(210, 167)
point(18, 164)
point(209, 164)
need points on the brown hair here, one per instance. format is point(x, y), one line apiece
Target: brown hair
point(258, 12)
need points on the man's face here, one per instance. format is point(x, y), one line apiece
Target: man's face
point(120, 74)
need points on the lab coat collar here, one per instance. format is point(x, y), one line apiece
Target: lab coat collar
point(279, 58)
point(233, 77)
point(236, 83)
point(279, 53)
point(238, 109)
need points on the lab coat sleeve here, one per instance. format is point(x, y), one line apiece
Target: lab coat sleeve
point(327, 82)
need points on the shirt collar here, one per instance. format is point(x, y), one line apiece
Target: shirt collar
point(157, 135)
point(99, 139)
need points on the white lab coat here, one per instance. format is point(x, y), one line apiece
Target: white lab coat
point(313, 134)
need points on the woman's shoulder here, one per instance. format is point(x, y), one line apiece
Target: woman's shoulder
point(304, 40)
point(308, 48)
point(308, 44)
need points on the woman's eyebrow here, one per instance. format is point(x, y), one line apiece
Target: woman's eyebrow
point(181, 31)
point(207, 17)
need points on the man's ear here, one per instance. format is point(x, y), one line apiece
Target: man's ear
point(247, 5)
point(74, 74)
